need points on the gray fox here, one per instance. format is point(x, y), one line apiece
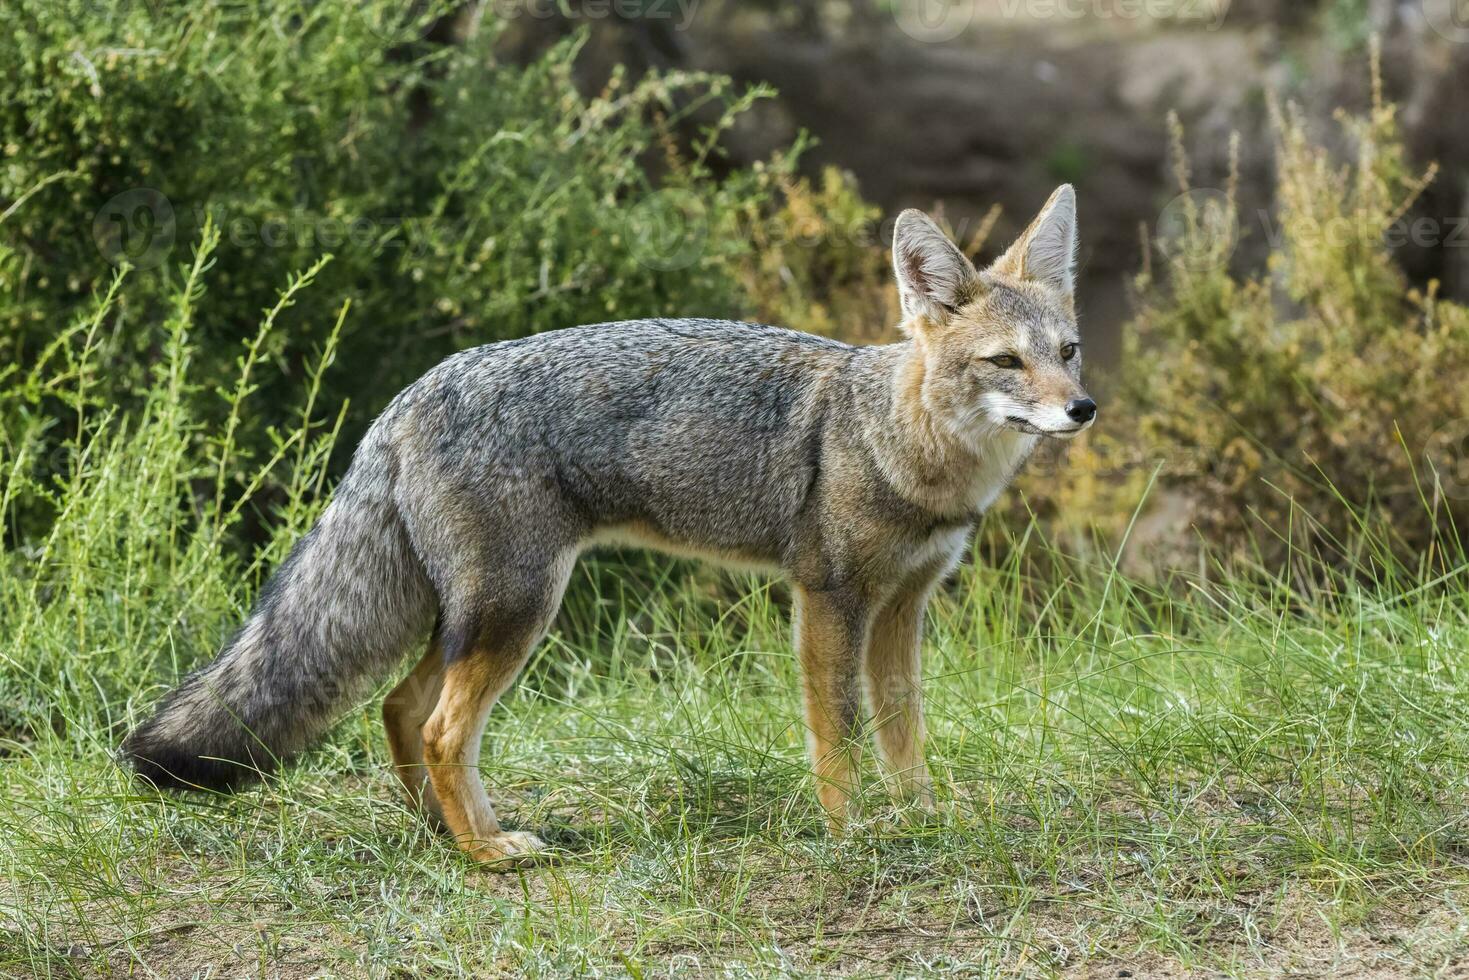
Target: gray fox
point(857, 472)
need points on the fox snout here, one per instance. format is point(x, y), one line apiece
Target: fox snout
point(1081, 410)
point(1063, 417)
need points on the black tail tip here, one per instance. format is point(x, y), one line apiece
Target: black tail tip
point(172, 768)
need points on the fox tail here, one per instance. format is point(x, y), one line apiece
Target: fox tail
point(339, 613)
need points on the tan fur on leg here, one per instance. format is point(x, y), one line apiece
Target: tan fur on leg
point(405, 709)
point(451, 743)
point(895, 688)
point(830, 630)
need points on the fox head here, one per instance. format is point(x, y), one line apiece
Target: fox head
point(999, 348)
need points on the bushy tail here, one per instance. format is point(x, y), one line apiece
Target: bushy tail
point(340, 612)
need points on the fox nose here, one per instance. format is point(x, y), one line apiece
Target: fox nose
point(1081, 410)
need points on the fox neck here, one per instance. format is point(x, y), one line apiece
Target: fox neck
point(924, 458)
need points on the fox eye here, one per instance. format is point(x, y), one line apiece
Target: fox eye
point(1007, 361)
point(1068, 351)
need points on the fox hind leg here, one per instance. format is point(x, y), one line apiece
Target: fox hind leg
point(486, 643)
point(405, 710)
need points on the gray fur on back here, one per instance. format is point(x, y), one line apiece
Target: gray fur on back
point(703, 432)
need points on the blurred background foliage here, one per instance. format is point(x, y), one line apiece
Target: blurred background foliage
point(1312, 394)
point(463, 200)
point(1277, 372)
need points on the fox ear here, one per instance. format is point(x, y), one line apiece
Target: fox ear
point(934, 277)
point(1046, 252)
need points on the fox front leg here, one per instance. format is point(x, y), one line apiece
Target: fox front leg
point(895, 688)
point(830, 632)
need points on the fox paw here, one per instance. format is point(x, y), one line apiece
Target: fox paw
point(507, 850)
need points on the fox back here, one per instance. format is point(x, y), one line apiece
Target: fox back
point(700, 435)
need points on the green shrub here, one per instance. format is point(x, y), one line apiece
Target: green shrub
point(1276, 398)
point(131, 573)
point(464, 200)
point(140, 575)
point(818, 262)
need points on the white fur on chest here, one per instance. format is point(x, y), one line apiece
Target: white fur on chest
point(999, 457)
point(943, 548)
point(961, 481)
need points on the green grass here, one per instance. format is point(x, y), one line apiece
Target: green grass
point(1251, 772)
point(1110, 791)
